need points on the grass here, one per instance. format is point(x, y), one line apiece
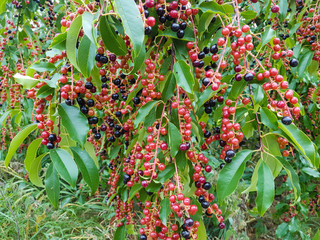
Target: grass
point(25, 213)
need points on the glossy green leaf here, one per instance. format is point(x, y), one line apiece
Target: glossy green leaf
point(44, 91)
point(88, 168)
point(294, 178)
point(3, 6)
point(170, 86)
point(265, 188)
point(183, 76)
point(32, 153)
point(317, 235)
point(43, 66)
point(283, 4)
point(302, 142)
point(267, 35)
point(135, 188)
point(174, 139)
point(89, 147)
point(249, 14)
point(72, 38)
point(75, 122)
point(216, 8)
point(166, 173)
point(58, 40)
point(231, 173)
point(4, 117)
point(311, 172)
point(111, 40)
point(202, 232)
point(34, 170)
point(143, 112)
point(29, 82)
point(268, 118)
point(18, 140)
point(134, 28)
point(120, 233)
point(65, 165)
point(85, 58)
point(87, 23)
point(304, 61)
point(52, 184)
point(236, 89)
point(164, 210)
point(205, 21)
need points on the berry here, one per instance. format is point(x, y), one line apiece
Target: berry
point(50, 145)
point(52, 138)
point(275, 8)
point(286, 120)
point(294, 62)
point(175, 27)
point(188, 222)
point(185, 234)
point(248, 77)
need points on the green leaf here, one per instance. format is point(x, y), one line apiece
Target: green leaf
point(52, 185)
point(294, 29)
point(87, 23)
point(35, 167)
point(134, 28)
point(268, 118)
point(282, 230)
point(302, 142)
point(32, 153)
point(88, 168)
point(59, 40)
point(4, 117)
point(44, 91)
point(89, 147)
point(164, 210)
point(43, 66)
point(65, 165)
point(29, 82)
point(292, 176)
point(265, 188)
point(249, 14)
point(174, 139)
point(267, 35)
point(316, 236)
point(236, 89)
point(202, 233)
point(72, 38)
point(75, 122)
point(166, 173)
point(304, 61)
point(85, 58)
point(143, 112)
point(135, 188)
point(283, 4)
point(311, 172)
point(168, 90)
point(183, 76)
point(205, 21)
point(18, 140)
point(113, 42)
point(231, 173)
point(3, 6)
point(213, 6)
point(120, 233)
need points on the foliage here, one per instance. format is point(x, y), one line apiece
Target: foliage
point(169, 108)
